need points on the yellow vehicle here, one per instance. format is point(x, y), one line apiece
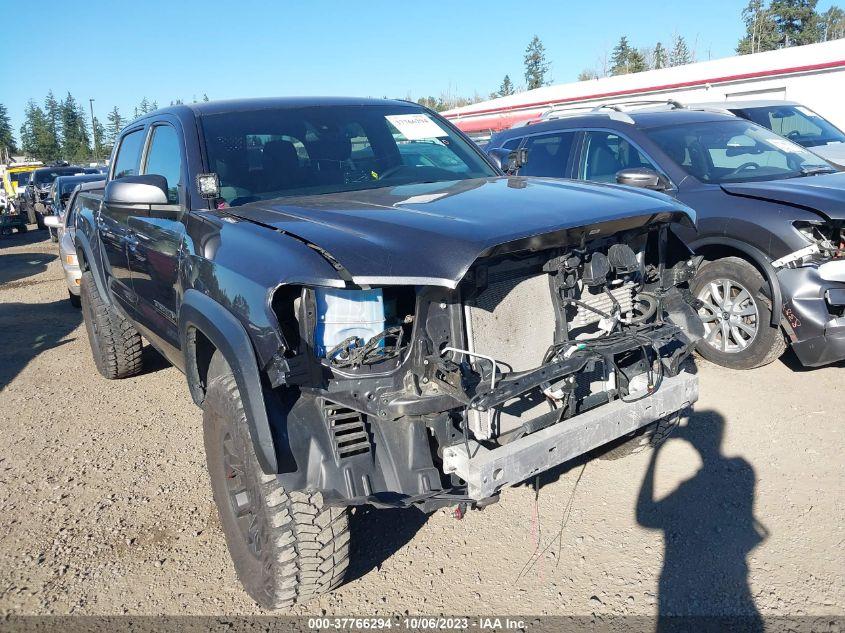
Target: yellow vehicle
point(17, 176)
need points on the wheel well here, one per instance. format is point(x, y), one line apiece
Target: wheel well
point(712, 252)
point(200, 349)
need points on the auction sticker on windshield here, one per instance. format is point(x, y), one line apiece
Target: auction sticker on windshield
point(415, 127)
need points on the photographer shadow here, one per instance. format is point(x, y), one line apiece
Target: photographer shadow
point(709, 529)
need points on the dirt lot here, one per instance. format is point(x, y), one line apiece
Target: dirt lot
point(105, 507)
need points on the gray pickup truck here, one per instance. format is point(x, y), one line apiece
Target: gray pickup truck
point(369, 312)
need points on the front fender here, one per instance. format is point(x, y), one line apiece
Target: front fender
point(227, 334)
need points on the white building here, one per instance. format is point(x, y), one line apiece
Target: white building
point(813, 75)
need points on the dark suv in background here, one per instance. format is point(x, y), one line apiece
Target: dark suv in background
point(38, 190)
point(770, 218)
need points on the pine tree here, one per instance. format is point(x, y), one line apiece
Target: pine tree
point(636, 61)
point(75, 142)
point(205, 97)
point(797, 21)
point(506, 89)
point(680, 53)
point(7, 138)
point(659, 57)
point(620, 57)
point(536, 65)
point(37, 140)
point(99, 133)
point(51, 142)
point(115, 124)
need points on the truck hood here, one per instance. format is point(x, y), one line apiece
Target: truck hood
point(430, 234)
point(823, 194)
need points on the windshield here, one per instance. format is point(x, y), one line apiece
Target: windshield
point(735, 151)
point(43, 177)
point(20, 178)
point(264, 154)
point(796, 123)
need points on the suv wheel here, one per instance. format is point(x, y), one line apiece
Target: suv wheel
point(115, 343)
point(736, 315)
point(287, 546)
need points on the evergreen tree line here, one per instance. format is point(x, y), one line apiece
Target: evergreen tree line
point(62, 130)
point(773, 24)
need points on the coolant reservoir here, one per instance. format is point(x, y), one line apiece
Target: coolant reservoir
point(345, 313)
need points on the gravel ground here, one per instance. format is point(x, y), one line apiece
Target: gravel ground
point(105, 506)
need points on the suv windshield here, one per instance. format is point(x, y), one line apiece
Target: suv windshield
point(735, 151)
point(796, 123)
point(44, 177)
point(264, 154)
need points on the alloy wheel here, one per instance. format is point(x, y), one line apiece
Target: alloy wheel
point(730, 316)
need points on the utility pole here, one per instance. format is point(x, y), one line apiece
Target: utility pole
point(94, 131)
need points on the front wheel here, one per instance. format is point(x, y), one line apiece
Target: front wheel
point(287, 546)
point(737, 316)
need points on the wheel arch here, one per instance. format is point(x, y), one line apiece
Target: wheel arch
point(712, 248)
point(206, 326)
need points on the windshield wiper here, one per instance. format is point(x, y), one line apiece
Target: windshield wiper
point(815, 170)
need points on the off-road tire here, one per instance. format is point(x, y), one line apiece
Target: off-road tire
point(295, 547)
point(769, 342)
point(645, 438)
point(75, 300)
point(115, 343)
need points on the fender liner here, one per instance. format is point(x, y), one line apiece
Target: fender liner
point(759, 258)
point(228, 335)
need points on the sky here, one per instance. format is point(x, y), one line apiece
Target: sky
point(117, 51)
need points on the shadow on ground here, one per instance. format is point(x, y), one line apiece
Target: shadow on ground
point(28, 329)
point(791, 360)
point(17, 266)
point(376, 535)
point(709, 529)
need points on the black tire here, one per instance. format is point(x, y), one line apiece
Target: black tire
point(115, 343)
point(30, 214)
point(287, 547)
point(645, 438)
point(75, 300)
point(768, 343)
point(22, 228)
point(39, 215)
point(54, 237)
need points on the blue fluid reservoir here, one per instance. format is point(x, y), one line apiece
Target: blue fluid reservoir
point(345, 313)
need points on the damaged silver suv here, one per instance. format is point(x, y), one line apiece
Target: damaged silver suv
point(369, 312)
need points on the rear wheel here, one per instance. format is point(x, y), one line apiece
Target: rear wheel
point(39, 214)
point(287, 546)
point(115, 343)
point(736, 315)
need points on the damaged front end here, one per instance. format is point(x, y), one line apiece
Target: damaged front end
point(812, 282)
point(432, 395)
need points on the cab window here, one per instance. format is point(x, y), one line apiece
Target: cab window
point(165, 159)
point(129, 155)
point(605, 154)
point(548, 155)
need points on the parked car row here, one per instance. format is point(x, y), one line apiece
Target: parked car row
point(371, 310)
point(770, 216)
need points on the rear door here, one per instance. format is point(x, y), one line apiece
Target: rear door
point(549, 154)
point(156, 237)
point(113, 220)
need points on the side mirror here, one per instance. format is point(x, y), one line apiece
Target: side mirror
point(137, 190)
point(509, 161)
point(643, 178)
point(53, 221)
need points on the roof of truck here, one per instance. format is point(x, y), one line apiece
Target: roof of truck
point(203, 108)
